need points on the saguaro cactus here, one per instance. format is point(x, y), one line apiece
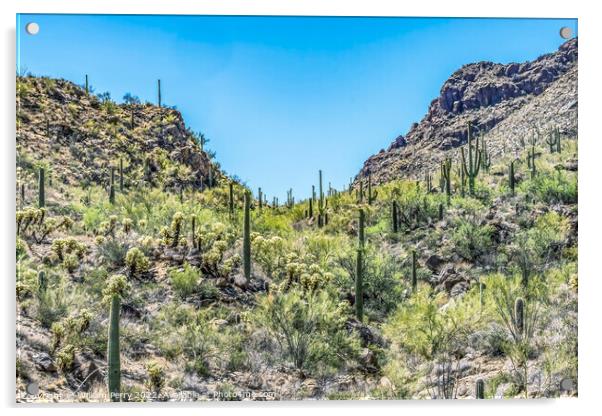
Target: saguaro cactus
point(359, 269)
point(394, 219)
point(112, 187)
point(446, 175)
point(371, 194)
point(246, 237)
point(519, 316)
point(480, 389)
point(260, 198)
point(428, 180)
point(231, 198)
point(87, 86)
point(114, 360)
point(41, 191)
point(471, 166)
point(159, 92)
point(121, 174)
point(42, 282)
point(311, 208)
point(511, 179)
point(193, 231)
point(532, 164)
point(321, 202)
point(414, 274)
point(551, 141)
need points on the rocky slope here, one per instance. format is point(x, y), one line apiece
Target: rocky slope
point(58, 121)
point(502, 101)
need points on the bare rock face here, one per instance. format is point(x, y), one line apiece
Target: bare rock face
point(506, 102)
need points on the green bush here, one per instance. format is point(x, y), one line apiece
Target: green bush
point(185, 281)
point(309, 327)
point(470, 238)
point(553, 187)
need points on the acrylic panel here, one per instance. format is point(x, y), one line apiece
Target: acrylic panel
point(295, 208)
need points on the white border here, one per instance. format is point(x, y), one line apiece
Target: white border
point(590, 184)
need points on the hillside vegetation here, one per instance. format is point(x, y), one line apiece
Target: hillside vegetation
point(145, 270)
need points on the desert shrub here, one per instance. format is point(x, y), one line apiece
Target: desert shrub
point(113, 251)
point(534, 248)
point(52, 306)
point(268, 252)
point(436, 334)
point(470, 238)
point(503, 293)
point(309, 328)
point(551, 188)
point(202, 338)
point(185, 280)
point(383, 280)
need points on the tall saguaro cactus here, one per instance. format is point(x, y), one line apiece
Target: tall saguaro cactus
point(260, 198)
point(246, 239)
point(121, 174)
point(480, 389)
point(114, 361)
point(231, 199)
point(414, 274)
point(159, 92)
point(446, 175)
point(41, 190)
point(519, 316)
point(87, 86)
point(371, 194)
point(511, 178)
point(321, 202)
point(394, 219)
point(471, 166)
point(359, 269)
point(112, 187)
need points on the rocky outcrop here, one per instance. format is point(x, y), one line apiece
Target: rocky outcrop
point(82, 136)
point(506, 102)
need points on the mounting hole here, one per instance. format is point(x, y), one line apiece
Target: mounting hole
point(32, 28)
point(566, 32)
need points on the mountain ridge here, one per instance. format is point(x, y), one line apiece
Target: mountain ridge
point(486, 94)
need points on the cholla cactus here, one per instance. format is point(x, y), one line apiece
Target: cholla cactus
point(136, 262)
point(172, 235)
point(127, 225)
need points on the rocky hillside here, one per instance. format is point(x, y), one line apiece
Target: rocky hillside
point(406, 289)
point(505, 102)
point(59, 122)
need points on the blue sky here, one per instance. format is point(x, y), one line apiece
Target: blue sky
point(281, 97)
